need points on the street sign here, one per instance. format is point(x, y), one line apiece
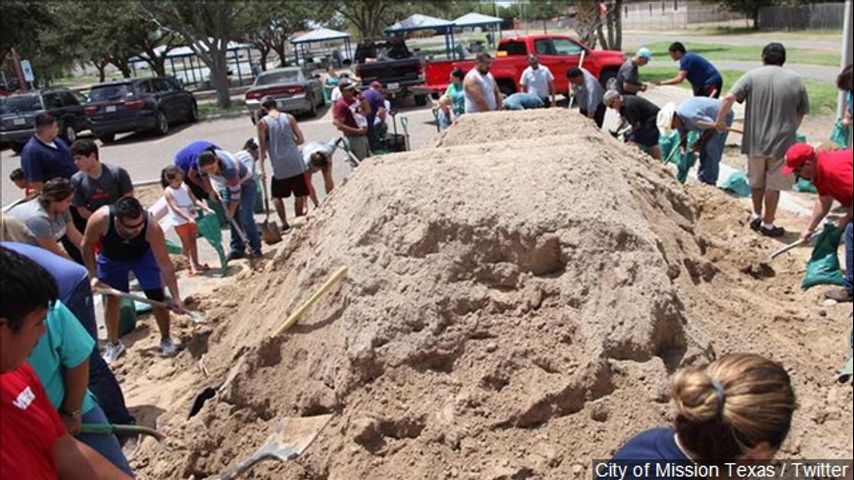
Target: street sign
point(27, 68)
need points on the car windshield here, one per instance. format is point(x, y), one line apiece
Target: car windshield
point(110, 92)
point(272, 78)
point(20, 104)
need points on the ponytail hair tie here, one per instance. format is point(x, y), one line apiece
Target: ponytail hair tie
point(721, 396)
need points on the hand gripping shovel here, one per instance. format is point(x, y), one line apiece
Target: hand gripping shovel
point(269, 230)
point(242, 235)
point(211, 391)
point(793, 245)
point(195, 316)
point(290, 438)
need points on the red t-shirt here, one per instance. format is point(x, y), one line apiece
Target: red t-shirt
point(29, 426)
point(342, 112)
point(834, 175)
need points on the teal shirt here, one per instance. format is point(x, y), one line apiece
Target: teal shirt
point(66, 344)
point(456, 94)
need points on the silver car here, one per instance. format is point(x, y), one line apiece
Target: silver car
point(293, 92)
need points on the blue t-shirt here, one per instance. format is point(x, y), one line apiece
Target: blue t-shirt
point(66, 273)
point(655, 444)
point(695, 111)
point(701, 73)
point(65, 345)
point(376, 100)
point(523, 101)
point(187, 158)
point(42, 162)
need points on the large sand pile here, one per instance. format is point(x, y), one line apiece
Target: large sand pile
point(518, 295)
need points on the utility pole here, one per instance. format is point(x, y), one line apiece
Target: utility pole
point(845, 60)
point(16, 64)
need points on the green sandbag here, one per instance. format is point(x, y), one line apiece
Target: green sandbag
point(800, 138)
point(259, 202)
point(686, 160)
point(823, 267)
point(840, 134)
point(127, 316)
point(173, 248)
point(667, 143)
point(805, 186)
point(737, 185)
point(220, 212)
point(209, 228)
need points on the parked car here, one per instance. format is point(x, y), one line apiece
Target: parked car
point(391, 63)
point(18, 113)
point(293, 91)
point(558, 52)
point(138, 105)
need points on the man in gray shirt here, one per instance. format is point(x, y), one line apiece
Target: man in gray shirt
point(776, 103)
point(96, 184)
point(588, 94)
point(280, 137)
point(628, 80)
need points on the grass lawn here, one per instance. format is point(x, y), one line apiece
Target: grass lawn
point(822, 95)
point(809, 34)
point(742, 53)
point(208, 109)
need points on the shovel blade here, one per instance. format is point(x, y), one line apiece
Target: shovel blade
point(270, 232)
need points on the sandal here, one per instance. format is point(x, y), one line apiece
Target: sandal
point(203, 267)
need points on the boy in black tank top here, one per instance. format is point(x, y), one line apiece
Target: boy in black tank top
point(130, 242)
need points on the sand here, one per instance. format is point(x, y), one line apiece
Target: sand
point(519, 292)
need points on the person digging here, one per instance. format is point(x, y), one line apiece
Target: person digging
point(832, 174)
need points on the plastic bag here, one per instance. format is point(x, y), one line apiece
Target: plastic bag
point(840, 134)
point(667, 144)
point(823, 267)
point(685, 160)
point(209, 229)
point(258, 207)
point(737, 184)
point(804, 185)
point(173, 248)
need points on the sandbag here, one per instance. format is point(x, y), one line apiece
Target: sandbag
point(737, 184)
point(840, 134)
point(805, 186)
point(686, 160)
point(667, 143)
point(258, 207)
point(173, 248)
point(209, 229)
point(823, 267)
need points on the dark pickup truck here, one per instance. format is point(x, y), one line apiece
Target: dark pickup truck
point(391, 63)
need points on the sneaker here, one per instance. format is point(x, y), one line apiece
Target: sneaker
point(774, 231)
point(167, 347)
point(840, 295)
point(235, 255)
point(755, 223)
point(113, 351)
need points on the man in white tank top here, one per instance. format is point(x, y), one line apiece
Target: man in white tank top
point(481, 89)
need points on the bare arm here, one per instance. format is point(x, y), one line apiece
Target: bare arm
point(77, 461)
point(499, 105)
point(48, 243)
point(298, 137)
point(262, 146)
point(340, 125)
point(472, 89)
point(328, 183)
point(76, 380)
point(73, 234)
point(679, 78)
point(167, 271)
point(819, 210)
point(726, 106)
point(95, 229)
point(84, 212)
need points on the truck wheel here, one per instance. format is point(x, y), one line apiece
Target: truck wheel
point(108, 138)
point(506, 88)
point(420, 100)
point(68, 133)
point(608, 76)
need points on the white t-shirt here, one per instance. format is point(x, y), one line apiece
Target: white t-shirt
point(537, 80)
point(182, 198)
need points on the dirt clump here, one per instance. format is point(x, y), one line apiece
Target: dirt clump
point(518, 294)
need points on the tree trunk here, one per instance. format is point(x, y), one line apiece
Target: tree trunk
point(159, 65)
point(123, 66)
point(755, 16)
point(219, 76)
point(263, 60)
point(102, 72)
point(618, 25)
point(282, 51)
point(600, 33)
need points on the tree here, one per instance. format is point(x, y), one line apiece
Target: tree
point(276, 22)
point(371, 17)
point(206, 27)
point(750, 8)
point(546, 10)
point(20, 23)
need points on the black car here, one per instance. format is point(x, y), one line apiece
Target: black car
point(18, 113)
point(137, 105)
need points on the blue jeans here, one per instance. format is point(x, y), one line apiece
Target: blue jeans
point(102, 383)
point(245, 217)
point(711, 154)
point(105, 444)
point(849, 257)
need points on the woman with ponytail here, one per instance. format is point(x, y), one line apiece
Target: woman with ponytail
point(739, 407)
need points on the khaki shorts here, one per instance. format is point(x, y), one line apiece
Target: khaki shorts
point(767, 172)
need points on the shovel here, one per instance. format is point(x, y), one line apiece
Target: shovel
point(793, 245)
point(242, 235)
point(269, 230)
point(107, 428)
point(290, 438)
point(195, 316)
point(211, 391)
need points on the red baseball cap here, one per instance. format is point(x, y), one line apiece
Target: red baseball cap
point(797, 155)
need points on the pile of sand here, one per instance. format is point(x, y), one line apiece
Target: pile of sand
point(518, 294)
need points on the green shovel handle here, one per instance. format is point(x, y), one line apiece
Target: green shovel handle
point(106, 428)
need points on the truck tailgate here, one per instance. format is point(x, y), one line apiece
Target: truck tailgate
point(392, 74)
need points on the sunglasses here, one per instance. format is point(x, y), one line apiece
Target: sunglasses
point(133, 227)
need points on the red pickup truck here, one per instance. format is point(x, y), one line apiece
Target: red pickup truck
point(558, 52)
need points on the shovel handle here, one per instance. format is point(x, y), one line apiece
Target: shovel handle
point(782, 250)
point(106, 428)
point(334, 279)
point(197, 316)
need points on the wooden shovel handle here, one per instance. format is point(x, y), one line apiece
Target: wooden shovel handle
point(332, 281)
